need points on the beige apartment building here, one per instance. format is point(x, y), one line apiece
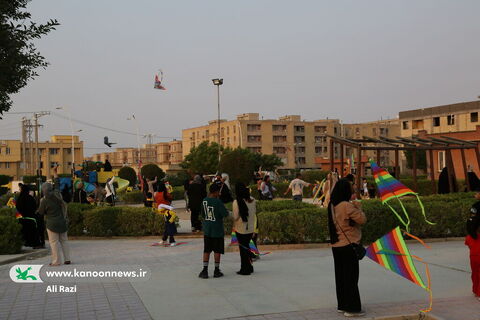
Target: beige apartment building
point(18, 159)
point(297, 142)
point(389, 128)
point(456, 117)
point(167, 155)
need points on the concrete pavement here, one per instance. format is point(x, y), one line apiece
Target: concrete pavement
point(286, 284)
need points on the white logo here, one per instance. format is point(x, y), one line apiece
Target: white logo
point(26, 273)
point(209, 212)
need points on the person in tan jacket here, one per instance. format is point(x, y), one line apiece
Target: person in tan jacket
point(244, 222)
point(344, 220)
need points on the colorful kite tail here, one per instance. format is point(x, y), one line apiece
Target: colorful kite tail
point(234, 240)
point(253, 248)
point(405, 223)
point(423, 211)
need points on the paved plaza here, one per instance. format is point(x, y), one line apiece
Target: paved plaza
point(287, 284)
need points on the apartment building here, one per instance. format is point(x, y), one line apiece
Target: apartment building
point(389, 128)
point(297, 142)
point(18, 159)
point(456, 117)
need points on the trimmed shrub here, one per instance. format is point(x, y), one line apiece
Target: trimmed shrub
point(129, 174)
point(122, 221)
point(76, 223)
point(7, 212)
point(11, 240)
point(280, 205)
point(32, 179)
point(135, 196)
point(178, 193)
point(312, 176)
point(4, 199)
point(151, 170)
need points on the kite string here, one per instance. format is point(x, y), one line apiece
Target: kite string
point(423, 211)
point(399, 217)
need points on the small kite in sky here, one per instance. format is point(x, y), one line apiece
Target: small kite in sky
point(391, 252)
point(158, 81)
point(109, 144)
point(390, 188)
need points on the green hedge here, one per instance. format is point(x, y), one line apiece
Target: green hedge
point(135, 196)
point(11, 236)
point(116, 221)
point(300, 225)
point(7, 212)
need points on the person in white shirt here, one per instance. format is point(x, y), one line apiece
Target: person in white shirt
point(297, 186)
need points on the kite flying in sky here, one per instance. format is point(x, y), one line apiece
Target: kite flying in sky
point(158, 81)
point(390, 188)
point(391, 252)
point(109, 144)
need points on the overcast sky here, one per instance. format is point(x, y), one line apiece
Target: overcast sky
point(352, 60)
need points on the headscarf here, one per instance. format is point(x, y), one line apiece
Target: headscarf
point(341, 192)
point(53, 195)
point(226, 179)
point(243, 194)
point(197, 179)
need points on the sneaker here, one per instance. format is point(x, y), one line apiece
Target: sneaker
point(341, 311)
point(173, 244)
point(354, 314)
point(217, 273)
point(160, 242)
point(203, 274)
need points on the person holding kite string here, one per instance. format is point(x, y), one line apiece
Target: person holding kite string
point(344, 220)
point(473, 242)
point(244, 221)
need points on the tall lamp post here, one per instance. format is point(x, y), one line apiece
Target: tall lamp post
point(218, 83)
point(72, 131)
point(139, 161)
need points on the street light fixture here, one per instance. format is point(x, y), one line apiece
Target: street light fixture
point(218, 82)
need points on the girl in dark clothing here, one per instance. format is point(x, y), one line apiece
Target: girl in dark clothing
point(27, 207)
point(196, 193)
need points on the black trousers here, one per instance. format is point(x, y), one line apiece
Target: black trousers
point(170, 230)
point(346, 279)
point(194, 214)
point(244, 247)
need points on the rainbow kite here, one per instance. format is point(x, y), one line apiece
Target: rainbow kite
point(234, 240)
point(253, 249)
point(389, 188)
point(391, 252)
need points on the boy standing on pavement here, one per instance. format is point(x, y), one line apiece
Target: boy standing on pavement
point(297, 186)
point(213, 211)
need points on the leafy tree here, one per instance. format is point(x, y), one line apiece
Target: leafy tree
point(151, 171)
point(18, 56)
point(4, 179)
point(128, 173)
point(178, 179)
point(203, 158)
point(421, 159)
point(268, 162)
point(239, 164)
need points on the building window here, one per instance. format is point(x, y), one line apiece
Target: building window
point(228, 130)
point(53, 151)
point(222, 132)
point(384, 131)
point(7, 150)
point(255, 149)
point(299, 128)
point(321, 129)
point(436, 121)
point(417, 124)
point(318, 150)
point(405, 125)
point(357, 131)
point(234, 129)
point(299, 139)
point(474, 117)
point(279, 127)
point(374, 131)
point(41, 164)
point(320, 139)
point(451, 120)
point(300, 149)
point(207, 134)
point(279, 150)
point(301, 160)
point(7, 165)
point(253, 127)
point(441, 160)
point(254, 138)
point(53, 164)
point(69, 150)
point(279, 138)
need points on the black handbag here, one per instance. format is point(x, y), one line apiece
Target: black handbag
point(359, 250)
